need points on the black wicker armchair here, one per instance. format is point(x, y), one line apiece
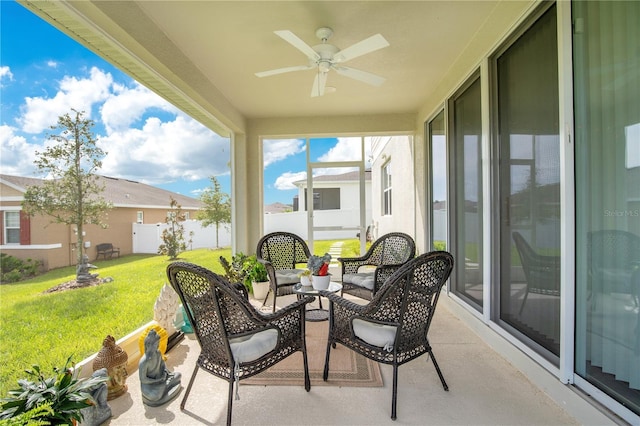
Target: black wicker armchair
point(542, 272)
point(281, 252)
point(363, 276)
point(392, 328)
point(236, 340)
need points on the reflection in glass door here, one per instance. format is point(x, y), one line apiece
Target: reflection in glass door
point(438, 181)
point(529, 151)
point(466, 211)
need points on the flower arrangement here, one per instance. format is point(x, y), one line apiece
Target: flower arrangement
point(319, 266)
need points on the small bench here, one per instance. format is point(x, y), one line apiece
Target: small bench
point(106, 249)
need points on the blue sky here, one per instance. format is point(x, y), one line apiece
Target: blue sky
point(44, 73)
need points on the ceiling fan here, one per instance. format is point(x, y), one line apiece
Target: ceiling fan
point(324, 57)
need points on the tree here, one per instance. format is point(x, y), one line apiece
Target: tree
point(72, 193)
point(173, 236)
point(217, 207)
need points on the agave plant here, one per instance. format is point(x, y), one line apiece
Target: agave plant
point(65, 393)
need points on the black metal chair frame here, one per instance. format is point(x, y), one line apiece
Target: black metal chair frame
point(278, 251)
point(386, 254)
point(217, 312)
point(542, 272)
point(407, 300)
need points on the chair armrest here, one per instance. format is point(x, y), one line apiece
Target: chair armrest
point(350, 265)
point(280, 313)
point(343, 303)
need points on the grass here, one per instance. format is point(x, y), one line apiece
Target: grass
point(45, 329)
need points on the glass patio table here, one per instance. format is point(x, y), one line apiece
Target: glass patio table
point(316, 314)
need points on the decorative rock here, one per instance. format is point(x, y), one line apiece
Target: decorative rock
point(158, 385)
point(100, 412)
point(114, 359)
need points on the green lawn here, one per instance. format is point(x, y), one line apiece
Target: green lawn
point(45, 329)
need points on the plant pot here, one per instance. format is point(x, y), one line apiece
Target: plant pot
point(321, 282)
point(260, 290)
point(305, 280)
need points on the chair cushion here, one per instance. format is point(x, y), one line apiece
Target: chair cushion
point(253, 346)
point(288, 276)
point(374, 334)
point(361, 279)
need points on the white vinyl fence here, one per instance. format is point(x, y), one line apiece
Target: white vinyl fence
point(147, 238)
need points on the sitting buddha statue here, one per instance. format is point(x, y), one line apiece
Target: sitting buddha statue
point(112, 357)
point(158, 384)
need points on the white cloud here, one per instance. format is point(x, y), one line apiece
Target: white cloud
point(275, 150)
point(165, 151)
point(81, 94)
point(127, 105)
point(5, 73)
point(284, 182)
point(52, 64)
point(17, 154)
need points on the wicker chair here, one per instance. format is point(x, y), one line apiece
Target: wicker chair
point(541, 272)
point(383, 258)
point(614, 259)
point(392, 328)
point(236, 340)
point(281, 252)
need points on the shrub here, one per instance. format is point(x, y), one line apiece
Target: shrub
point(13, 269)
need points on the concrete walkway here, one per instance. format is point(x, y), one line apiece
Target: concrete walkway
point(485, 389)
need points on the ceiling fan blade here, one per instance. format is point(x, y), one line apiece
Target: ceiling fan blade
point(318, 84)
point(363, 47)
point(296, 42)
point(365, 77)
point(283, 70)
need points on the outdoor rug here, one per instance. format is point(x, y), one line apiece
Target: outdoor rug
point(346, 368)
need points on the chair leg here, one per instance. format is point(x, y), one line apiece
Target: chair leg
point(307, 380)
point(264, 302)
point(230, 401)
point(524, 300)
point(325, 375)
point(186, 393)
point(435, 364)
point(394, 395)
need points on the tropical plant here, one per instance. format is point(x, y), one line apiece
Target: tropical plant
point(65, 391)
point(319, 265)
point(234, 271)
point(173, 237)
point(72, 194)
point(256, 271)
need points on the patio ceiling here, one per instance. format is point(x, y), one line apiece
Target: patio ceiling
point(202, 55)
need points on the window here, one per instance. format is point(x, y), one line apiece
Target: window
point(325, 198)
point(466, 213)
point(528, 143)
point(386, 189)
point(140, 217)
point(12, 227)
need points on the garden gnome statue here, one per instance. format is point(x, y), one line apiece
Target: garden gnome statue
point(158, 385)
point(100, 411)
point(82, 271)
point(114, 359)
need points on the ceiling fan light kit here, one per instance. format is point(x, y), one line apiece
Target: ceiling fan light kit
point(324, 57)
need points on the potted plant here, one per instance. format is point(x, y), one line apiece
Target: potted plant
point(257, 277)
point(319, 267)
point(236, 270)
point(305, 277)
point(64, 392)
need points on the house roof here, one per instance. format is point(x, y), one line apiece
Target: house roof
point(202, 56)
point(120, 192)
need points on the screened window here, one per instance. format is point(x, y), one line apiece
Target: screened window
point(386, 189)
point(325, 198)
point(12, 227)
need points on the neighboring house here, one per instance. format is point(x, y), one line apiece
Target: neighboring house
point(336, 204)
point(54, 244)
point(393, 185)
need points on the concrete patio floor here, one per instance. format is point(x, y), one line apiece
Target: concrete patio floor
point(484, 389)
